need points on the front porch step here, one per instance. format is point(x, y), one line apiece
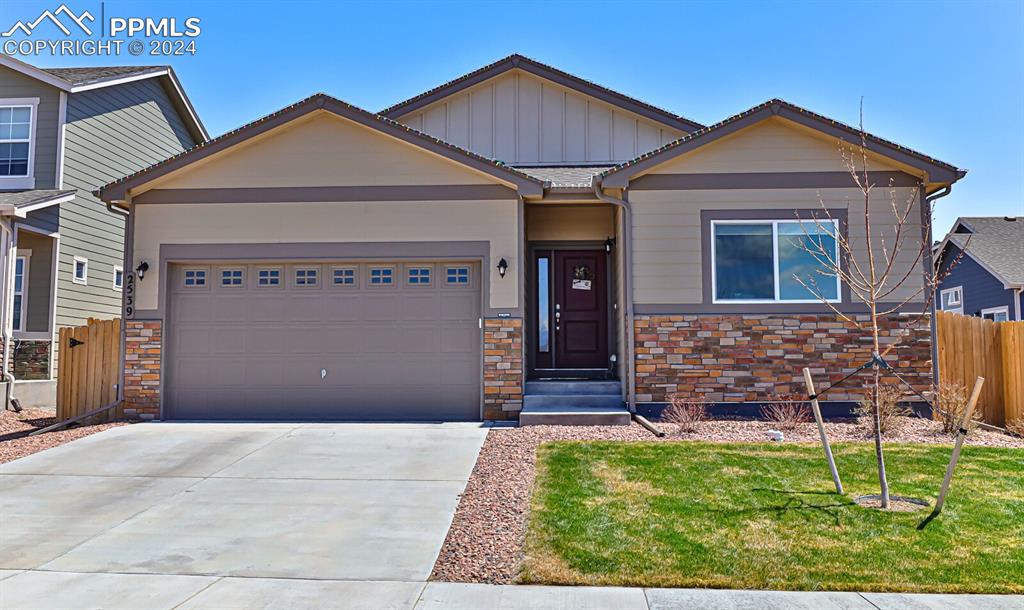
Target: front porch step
point(572, 400)
point(574, 387)
point(556, 415)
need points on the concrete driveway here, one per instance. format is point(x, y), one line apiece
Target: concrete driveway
point(344, 502)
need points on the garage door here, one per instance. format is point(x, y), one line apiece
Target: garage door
point(324, 341)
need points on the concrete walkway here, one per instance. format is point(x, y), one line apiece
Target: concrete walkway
point(46, 590)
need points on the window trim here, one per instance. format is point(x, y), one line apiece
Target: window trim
point(27, 181)
point(84, 281)
point(25, 255)
point(1003, 309)
point(355, 276)
point(959, 306)
point(774, 222)
point(113, 278)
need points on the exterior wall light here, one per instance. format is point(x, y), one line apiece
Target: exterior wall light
point(141, 270)
point(502, 267)
point(609, 244)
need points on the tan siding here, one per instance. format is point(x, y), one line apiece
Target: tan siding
point(534, 120)
point(493, 221)
point(322, 149)
point(667, 239)
point(16, 85)
point(569, 223)
point(775, 145)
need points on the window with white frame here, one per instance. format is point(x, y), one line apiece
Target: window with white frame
point(996, 314)
point(118, 279)
point(454, 276)
point(952, 299)
point(15, 140)
point(418, 276)
point(268, 277)
point(307, 276)
point(81, 270)
point(20, 290)
point(195, 278)
point(231, 277)
point(381, 276)
point(765, 261)
point(344, 276)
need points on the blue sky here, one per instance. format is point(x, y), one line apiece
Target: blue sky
point(944, 78)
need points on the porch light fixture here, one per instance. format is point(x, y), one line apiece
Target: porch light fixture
point(502, 267)
point(609, 244)
point(141, 270)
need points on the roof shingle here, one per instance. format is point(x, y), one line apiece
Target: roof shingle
point(84, 76)
point(996, 242)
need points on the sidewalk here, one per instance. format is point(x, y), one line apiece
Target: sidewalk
point(70, 590)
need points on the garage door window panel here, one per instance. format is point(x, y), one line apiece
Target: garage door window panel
point(382, 276)
point(418, 276)
point(344, 277)
point(458, 275)
point(268, 277)
point(195, 278)
point(232, 277)
point(306, 277)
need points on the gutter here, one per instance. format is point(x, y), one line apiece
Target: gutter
point(627, 286)
point(126, 269)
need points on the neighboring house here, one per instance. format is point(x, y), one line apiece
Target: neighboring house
point(988, 279)
point(493, 242)
point(63, 132)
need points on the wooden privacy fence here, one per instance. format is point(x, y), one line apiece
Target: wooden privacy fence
point(87, 374)
point(970, 347)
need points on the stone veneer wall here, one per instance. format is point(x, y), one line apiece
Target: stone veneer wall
point(748, 358)
point(30, 359)
point(503, 368)
point(143, 347)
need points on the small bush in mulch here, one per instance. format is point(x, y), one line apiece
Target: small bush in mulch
point(786, 412)
point(891, 412)
point(686, 413)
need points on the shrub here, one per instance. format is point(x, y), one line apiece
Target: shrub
point(686, 412)
point(951, 401)
point(786, 412)
point(890, 410)
point(1016, 427)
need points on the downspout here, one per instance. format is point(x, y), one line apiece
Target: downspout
point(627, 286)
point(125, 283)
point(7, 328)
point(926, 213)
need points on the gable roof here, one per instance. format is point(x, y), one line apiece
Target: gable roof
point(20, 203)
point(118, 189)
point(547, 72)
point(77, 80)
point(938, 171)
point(564, 177)
point(996, 243)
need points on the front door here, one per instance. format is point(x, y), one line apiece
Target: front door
point(572, 310)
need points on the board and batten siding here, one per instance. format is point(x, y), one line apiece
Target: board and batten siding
point(110, 133)
point(668, 254)
point(14, 84)
point(519, 118)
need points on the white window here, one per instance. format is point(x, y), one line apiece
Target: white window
point(344, 276)
point(118, 277)
point(456, 275)
point(765, 261)
point(81, 271)
point(996, 314)
point(268, 277)
point(15, 140)
point(231, 277)
point(952, 299)
point(307, 276)
point(20, 290)
point(381, 276)
point(419, 276)
point(195, 278)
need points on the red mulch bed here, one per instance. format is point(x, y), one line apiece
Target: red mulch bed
point(15, 427)
point(484, 544)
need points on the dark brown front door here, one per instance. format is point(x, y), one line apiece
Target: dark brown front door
point(572, 310)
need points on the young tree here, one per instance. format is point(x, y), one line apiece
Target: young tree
point(881, 278)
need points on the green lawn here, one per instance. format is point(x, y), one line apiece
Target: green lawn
point(766, 516)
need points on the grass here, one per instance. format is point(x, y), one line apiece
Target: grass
point(767, 517)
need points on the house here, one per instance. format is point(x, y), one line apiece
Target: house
point(987, 276)
point(516, 243)
point(63, 132)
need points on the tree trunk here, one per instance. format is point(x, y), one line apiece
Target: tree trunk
point(879, 455)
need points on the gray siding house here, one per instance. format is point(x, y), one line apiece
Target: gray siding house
point(986, 255)
point(64, 131)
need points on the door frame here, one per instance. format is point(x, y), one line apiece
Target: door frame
point(530, 309)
